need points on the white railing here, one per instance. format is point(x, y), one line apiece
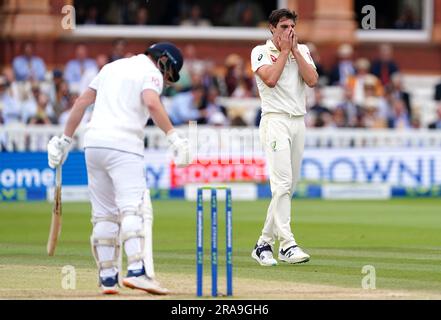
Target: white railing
point(20, 137)
point(362, 138)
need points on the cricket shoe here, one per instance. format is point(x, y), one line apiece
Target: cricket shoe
point(264, 255)
point(137, 279)
point(109, 285)
point(293, 254)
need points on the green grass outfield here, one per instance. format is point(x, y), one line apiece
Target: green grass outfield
point(400, 238)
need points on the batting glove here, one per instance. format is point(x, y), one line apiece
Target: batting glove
point(181, 149)
point(57, 150)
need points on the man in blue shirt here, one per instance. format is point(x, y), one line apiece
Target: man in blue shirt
point(186, 106)
point(78, 67)
point(29, 67)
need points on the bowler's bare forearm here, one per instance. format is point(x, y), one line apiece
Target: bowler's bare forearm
point(77, 112)
point(157, 112)
point(307, 71)
point(161, 119)
point(270, 74)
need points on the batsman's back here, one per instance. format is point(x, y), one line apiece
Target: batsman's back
point(119, 115)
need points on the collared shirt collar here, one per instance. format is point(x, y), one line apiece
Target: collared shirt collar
point(272, 47)
point(270, 44)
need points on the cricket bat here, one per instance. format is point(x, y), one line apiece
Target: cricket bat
point(55, 230)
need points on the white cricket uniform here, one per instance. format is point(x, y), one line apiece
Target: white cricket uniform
point(114, 149)
point(282, 134)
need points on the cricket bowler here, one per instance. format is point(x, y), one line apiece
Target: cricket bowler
point(283, 68)
point(125, 94)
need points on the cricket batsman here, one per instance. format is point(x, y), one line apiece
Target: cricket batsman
point(125, 94)
point(283, 68)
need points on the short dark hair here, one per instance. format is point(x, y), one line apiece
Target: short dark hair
point(277, 15)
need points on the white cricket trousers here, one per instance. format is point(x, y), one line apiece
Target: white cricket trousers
point(283, 138)
point(117, 183)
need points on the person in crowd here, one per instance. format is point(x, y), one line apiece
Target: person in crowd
point(351, 110)
point(214, 76)
point(28, 100)
point(371, 118)
point(122, 11)
point(408, 19)
point(437, 123)
point(358, 82)
point(28, 66)
point(247, 18)
point(142, 16)
point(78, 67)
point(41, 116)
point(384, 66)
point(385, 102)
point(187, 106)
point(56, 79)
point(214, 113)
point(399, 118)
point(399, 93)
point(237, 78)
point(339, 119)
point(195, 18)
point(344, 66)
point(234, 13)
point(62, 94)
point(193, 67)
point(10, 111)
point(93, 16)
point(193, 63)
point(322, 115)
point(15, 88)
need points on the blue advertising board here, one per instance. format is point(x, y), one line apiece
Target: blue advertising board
point(25, 176)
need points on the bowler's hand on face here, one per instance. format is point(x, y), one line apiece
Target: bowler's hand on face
point(285, 41)
point(294, 40)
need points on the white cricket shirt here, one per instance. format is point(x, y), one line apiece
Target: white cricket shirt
point(288, 96)
point(119, 115)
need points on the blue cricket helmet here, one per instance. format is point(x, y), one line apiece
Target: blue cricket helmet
point(174, 55)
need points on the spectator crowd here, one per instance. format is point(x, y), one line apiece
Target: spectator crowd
point(238, 13)
point(373, 93)
point(401, 14)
